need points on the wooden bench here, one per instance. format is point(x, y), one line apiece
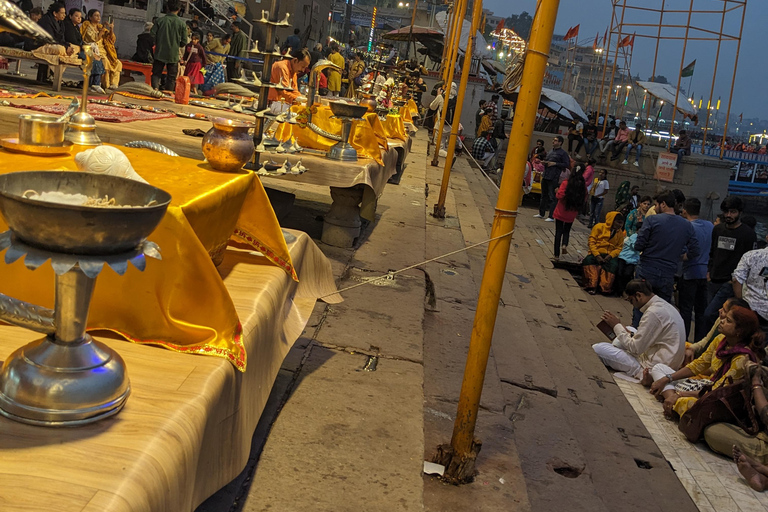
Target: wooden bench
point(130, 66)
point(18, 55)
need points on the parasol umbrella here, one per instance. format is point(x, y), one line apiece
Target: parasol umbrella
point(420, 34)
point(666, 92)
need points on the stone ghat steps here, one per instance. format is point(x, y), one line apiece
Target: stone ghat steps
point(580, 443)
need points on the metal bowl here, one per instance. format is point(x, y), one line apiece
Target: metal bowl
point(81, 229)
point(41, 130)
point(341, 109)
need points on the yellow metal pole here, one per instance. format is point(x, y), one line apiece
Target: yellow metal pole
point(679, 79)
point(477, 13)
point(501, 235)
point(733, 80)
point(448, 80)
point(714, 77)
point(613, 69)
point(448, 40)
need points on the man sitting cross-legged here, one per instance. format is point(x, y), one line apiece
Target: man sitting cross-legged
point(660, 337)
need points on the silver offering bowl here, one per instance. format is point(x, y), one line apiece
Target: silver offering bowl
point(347, 112)
point(67, 378)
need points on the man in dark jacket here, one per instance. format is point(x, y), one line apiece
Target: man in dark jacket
point(556, 162)
point(237, 49)
point(145, 46)
point(52, 23)
point(292, 42)
point(730, 240)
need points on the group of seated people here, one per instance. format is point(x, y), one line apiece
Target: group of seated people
point(681, 374)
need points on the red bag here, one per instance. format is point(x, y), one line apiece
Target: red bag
point(182, 90)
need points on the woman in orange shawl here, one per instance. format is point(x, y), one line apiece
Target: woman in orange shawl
point(93, 31)
point(605, 243)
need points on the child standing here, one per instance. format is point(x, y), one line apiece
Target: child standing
point(194, 59)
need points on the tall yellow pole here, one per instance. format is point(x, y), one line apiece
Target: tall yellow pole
point(714, 76)
point(477, 14)
point(613, 69)
point(461, 463)
point(680, 78)
point(448, 80)
point(447, 41)
point(733, 80)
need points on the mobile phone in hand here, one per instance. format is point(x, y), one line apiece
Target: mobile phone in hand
point(109, 19)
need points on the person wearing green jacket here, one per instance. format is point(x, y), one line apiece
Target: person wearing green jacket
point(170, 33)
point(236, 49)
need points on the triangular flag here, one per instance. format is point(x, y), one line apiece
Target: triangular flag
point(632, 42)
point(500, 25)
point(741, 116)
point(605, 37)
point(576, 31)
point(625, 42)
point(688, 70)
point(597, 38)
point(568, 34)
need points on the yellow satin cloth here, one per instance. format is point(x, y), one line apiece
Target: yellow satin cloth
point(405, 113)
point(394, 127)
point(363, 137)
point(412, 107)
point(179, 303)
point(378, 129)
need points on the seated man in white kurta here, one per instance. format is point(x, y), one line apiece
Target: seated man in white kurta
point(660, 337)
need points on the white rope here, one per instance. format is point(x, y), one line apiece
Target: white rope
point(390, 274)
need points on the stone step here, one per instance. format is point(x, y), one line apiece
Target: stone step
point(611, 440)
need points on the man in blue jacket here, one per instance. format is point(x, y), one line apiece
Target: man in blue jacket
point(661, 242)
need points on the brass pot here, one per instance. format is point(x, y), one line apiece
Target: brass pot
point(228, 146)
point(370, 103)
point(41, 130)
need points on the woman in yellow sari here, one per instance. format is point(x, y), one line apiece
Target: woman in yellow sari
point(741, 340)
point(356, 71)
point(103, 36)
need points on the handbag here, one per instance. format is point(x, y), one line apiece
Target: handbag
point(728, 404)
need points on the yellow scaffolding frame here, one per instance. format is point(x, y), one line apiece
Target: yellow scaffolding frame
point(622, 25)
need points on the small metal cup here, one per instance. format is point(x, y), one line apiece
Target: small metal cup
point(41, 130)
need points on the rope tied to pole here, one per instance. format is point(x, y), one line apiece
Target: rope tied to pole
point(389, 275)
point(501, 213)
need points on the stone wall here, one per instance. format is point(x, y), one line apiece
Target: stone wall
point(698, 176)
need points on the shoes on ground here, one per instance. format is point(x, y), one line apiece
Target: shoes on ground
point(538, 216)
point(625, 162)
point(564, 249)
point(636, 164)
point(549, 219)
point(194, 132)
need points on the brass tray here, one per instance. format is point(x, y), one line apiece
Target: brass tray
point(13, 144)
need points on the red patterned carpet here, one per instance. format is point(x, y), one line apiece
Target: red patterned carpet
point(102, 112)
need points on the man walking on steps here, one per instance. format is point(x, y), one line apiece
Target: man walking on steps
point(556, 162)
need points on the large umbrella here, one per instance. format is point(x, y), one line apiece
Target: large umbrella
point(420, 34)
point(666, 92)
point(560, 103)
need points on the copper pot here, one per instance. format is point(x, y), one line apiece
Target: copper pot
point(228, 146)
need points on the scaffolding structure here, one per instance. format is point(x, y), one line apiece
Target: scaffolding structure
point(674, 21)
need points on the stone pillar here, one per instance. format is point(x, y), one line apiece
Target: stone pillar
point(341, 226)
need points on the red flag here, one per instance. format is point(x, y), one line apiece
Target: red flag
point(597, 38)
point(568, 35)
point(576, 31)
point(500, 25)
point(605, 37)
point(741, 116)
point(625, 42)
point(632, 42)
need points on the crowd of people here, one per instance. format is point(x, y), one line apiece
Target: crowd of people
point(686, 279)
point(617, 141)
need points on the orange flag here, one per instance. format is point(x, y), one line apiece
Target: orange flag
point(627, 41)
